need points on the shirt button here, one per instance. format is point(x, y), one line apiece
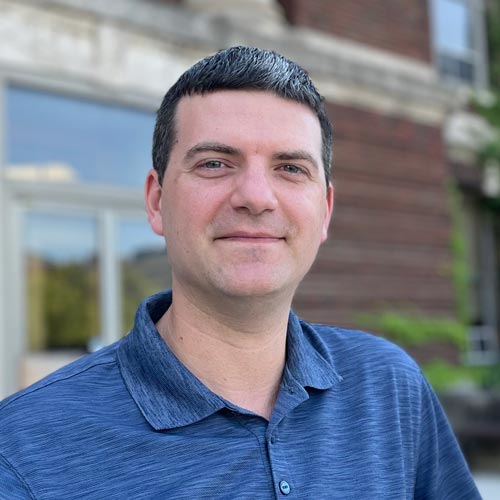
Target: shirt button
point(284, 487)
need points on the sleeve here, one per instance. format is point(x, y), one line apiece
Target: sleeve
point(12, 486)
point(442, 473)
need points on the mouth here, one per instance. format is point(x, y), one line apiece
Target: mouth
point(248, 237)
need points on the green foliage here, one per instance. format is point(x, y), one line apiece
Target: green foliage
point(490, 111)
point(64, 301)
point(71, 305)
point(488, 108)
point(413, 329)
point(491, 151)
point(443, 375)
point(136, 286)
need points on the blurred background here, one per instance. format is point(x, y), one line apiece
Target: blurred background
point(411, 87)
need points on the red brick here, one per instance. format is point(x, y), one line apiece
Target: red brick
point(389, 245)
point(399, 26)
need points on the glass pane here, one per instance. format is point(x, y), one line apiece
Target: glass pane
point(144, 266)
point(62, 280)
point(456, 68)
point(60, 139)
point(452, 21)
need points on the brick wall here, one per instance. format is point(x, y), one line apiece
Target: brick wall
point(399, 26)
point(389, 244)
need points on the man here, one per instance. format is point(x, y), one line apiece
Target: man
point(219, 391)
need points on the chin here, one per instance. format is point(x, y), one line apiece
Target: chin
point(255, 287)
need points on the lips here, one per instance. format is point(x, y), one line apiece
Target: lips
point(250, 237)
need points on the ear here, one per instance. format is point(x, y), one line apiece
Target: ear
point(329, 211)
point(152, 196)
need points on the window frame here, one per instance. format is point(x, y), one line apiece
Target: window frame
point(483, 294)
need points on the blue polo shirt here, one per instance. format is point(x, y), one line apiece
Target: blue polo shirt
point(354, 419)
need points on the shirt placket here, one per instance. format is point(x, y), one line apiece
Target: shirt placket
point(290, 396)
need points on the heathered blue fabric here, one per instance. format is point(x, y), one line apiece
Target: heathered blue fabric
point(355, 419)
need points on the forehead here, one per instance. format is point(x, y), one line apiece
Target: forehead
point(243, 116)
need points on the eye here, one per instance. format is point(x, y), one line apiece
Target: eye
point(293, 169)
point(212, 165)
point(212, 168)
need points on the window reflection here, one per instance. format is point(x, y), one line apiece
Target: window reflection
point(60, 139)
point(453, 20)
point(62, 280)
point(453, 23)
point(144, 266)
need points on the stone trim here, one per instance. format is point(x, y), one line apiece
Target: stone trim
point(140, 46)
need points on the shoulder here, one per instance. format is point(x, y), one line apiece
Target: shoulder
point(378, 377)
point(51, 423)
point(355, 351)
point(74, 378)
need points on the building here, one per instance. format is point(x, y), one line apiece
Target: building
point(80, 82)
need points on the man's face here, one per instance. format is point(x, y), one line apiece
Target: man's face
point(244, 205)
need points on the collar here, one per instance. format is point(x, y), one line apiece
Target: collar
point(170, 396)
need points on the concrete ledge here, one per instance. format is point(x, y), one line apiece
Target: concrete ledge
point(145, 45)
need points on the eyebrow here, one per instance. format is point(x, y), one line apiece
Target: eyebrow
point(214, 147)
point(295, 155)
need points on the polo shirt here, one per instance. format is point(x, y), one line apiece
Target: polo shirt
point(354, 419)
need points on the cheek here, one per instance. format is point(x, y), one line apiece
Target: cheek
point(184, 217)
point(311, 214)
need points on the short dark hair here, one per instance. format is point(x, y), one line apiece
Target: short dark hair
point(239, 68)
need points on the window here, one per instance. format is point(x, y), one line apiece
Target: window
point(55, 138)
point(143, 265)
point(459, 40)
point(482, 230)
point(60, 253)
point(74, 172)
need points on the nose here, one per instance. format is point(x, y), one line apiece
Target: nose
point(254, 190)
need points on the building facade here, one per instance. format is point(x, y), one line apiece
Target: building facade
point(80, 82)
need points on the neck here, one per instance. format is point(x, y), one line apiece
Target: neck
point(239, 355)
